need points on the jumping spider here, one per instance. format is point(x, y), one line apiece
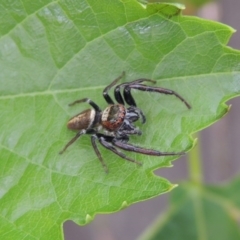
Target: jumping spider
point(113, 126)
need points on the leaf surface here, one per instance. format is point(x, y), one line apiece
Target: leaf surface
point(54, 52)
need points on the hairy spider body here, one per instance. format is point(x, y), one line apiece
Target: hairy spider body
point(83, 120)
point(113, 126)
point(113, 117)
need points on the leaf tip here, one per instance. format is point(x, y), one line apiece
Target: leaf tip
point(195, 141)
point(229, 107)
point(165, 8)
point(124, 204)
point(88, 218)
point(233, 30)
point(173, 186)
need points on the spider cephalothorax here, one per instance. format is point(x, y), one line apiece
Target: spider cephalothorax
point(113, 126)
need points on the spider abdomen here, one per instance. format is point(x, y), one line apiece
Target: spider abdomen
point(113, 116)
point(82, 120)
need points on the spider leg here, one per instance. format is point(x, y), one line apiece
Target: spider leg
point(137, 81)
point(129, 147)
point(94, 144)
point(128, 96)
point(142, 87)
point(105, 91)
point(93, 104)
point(73, 140)
point(106, 142)
point(118, 96)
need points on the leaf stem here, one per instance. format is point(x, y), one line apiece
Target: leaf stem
point(194, 162)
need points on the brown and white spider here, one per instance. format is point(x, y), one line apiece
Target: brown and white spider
point(113, 126)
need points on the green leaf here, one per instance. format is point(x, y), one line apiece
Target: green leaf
point(52, 53)
point(190, 3)
point(209, 212)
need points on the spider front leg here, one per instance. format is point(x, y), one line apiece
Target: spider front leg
point(105, 91)
point(121, 143)
point(127, 91)
point(143, 87)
